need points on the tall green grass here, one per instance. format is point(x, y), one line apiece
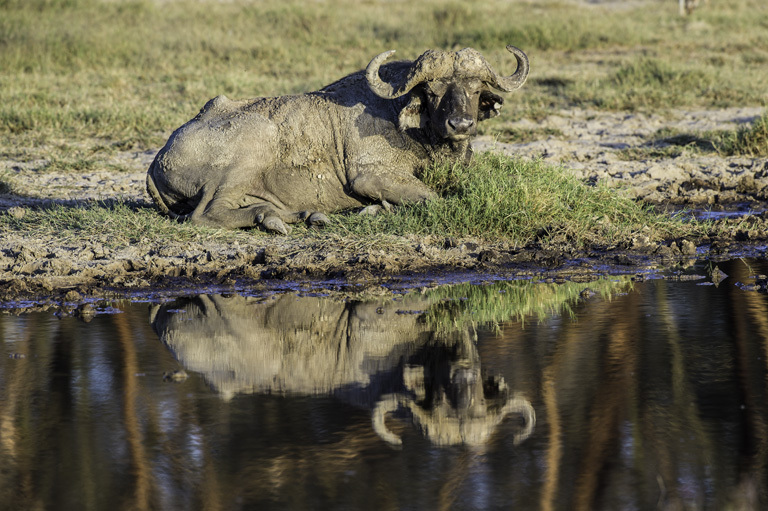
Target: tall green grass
point(499, 198)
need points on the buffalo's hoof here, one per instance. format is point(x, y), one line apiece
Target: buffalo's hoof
point(318, 220)
point(274, 224)
point(371, 210)
point(375, 209)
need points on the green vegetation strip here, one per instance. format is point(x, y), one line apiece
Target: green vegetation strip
point(499, 198)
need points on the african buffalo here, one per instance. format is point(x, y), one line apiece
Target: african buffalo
point(360, 141)
point(373, 355)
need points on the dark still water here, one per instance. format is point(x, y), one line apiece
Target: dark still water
point(611, 394)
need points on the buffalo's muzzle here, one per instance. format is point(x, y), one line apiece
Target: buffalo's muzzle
point(460, 126)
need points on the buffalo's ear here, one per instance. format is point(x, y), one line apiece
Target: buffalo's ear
point(489, 105)
point(412, 115)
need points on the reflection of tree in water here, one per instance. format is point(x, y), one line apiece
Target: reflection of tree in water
point(644, 405)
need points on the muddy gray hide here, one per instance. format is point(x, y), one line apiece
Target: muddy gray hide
point(362, 140)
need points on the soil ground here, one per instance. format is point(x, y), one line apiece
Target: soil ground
point(38, 272)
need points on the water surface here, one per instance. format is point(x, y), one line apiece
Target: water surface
point(612, 394)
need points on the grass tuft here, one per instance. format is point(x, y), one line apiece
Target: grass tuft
point(499, 198)
point(750, 140)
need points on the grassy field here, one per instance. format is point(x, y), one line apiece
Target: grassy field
point(130, 71)
point(81, 79)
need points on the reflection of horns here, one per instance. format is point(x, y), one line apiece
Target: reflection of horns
point(387, 404)
point(153, 310)
point(521, 405)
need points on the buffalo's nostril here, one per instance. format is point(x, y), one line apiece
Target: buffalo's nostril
point(461, 124)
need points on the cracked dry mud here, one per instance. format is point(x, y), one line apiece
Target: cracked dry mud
point(592, 145)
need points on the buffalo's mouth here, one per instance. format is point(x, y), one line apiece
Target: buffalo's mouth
point(458, 137)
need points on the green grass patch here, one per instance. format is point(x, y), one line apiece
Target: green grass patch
point(499, 198)
point(749, 140)
point(115, 224)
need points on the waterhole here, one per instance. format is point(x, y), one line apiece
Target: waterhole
point(626, 392)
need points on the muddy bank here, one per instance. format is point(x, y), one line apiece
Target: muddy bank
point(47, 272)
point(587, 143)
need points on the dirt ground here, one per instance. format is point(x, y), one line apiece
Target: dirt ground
point(593, 145)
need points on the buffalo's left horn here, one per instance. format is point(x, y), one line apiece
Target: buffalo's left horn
point(517, 79)
point(377, 85)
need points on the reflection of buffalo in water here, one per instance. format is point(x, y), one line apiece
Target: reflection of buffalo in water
point(373, 355)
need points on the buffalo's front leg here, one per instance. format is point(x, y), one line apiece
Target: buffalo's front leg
point(395, 188)
point(224, 211)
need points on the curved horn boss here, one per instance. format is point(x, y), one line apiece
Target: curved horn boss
point(429, 65)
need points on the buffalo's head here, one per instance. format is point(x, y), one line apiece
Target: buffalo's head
point(450, 92)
